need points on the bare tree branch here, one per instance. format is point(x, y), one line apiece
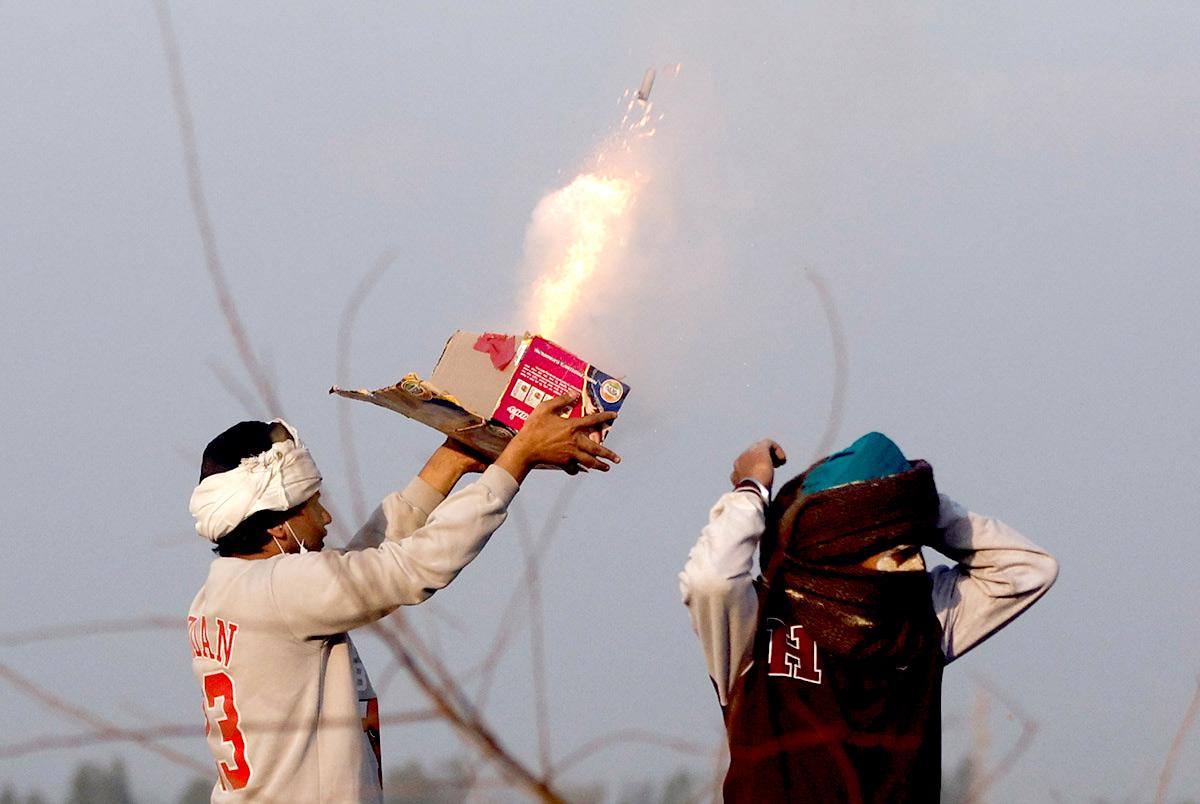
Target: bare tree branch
point(100, 724)
point(208, 238)
point(720, 761)
point(1189, 718)
point(837, 402)
point(170, 731)
point(537, 652)
point(86, 629)
point(980, 744)
point(234, 388)
point(1029, 728)
point(510, 623)
point(342, 374)
point(467, 724)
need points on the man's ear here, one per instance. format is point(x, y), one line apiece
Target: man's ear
point(277, 532)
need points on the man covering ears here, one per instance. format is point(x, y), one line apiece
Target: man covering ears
point(828, 664)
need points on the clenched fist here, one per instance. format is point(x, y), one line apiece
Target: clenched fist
point(758, 461)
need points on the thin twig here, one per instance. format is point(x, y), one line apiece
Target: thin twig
point(170, 731)
point(537, 653)
point(234, 388)
point(720, 762)
point(467, 724)
point(980, 745)
point(509, 621)
point(61, 742)
point(342, 373)
point(208, 238)
point(837, 402)
point(100, 724)
point(81, 630)
point(1029, 728)
point(1189, 718)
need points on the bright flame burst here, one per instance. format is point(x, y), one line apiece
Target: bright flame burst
point(587, 211)
point(574, 227)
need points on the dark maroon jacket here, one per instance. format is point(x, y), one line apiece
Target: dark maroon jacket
point(842, 701)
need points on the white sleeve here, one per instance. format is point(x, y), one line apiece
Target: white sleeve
point(332, 591)
point(718, 589)
point(398, 515)
point(999, 574)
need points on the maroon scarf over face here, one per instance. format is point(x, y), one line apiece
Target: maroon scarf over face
point(812, 555)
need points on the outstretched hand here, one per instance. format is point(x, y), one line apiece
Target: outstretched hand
point(548, 438)
point(758, 461)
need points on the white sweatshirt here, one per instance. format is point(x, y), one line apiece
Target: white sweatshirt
point(999, 574)
point(286, 698)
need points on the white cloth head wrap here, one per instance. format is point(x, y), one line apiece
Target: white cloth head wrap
point(276, 480)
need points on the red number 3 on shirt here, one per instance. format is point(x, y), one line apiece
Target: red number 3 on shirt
point(220, 685)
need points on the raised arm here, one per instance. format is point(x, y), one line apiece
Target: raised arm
point(333, 591)
point(999, 573)
point(717, 582)
point(403, 512)
point(330, 592)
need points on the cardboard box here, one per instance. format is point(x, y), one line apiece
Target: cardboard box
point(484, 386)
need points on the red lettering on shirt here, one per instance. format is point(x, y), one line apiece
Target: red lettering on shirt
point(201, 646)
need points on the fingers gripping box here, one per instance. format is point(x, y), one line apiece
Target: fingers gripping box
point(484, 387)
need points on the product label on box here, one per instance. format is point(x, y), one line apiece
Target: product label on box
point(546, 370)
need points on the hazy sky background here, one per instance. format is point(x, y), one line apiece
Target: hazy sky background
point(1003, 200)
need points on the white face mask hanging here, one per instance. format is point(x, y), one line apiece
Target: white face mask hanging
point(288, 527)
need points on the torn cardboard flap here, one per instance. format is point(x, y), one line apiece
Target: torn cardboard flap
point(485, 386)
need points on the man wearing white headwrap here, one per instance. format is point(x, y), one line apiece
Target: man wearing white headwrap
point(292, 716)
point(279, 479)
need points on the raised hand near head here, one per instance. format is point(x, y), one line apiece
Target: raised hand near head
point(758, 462)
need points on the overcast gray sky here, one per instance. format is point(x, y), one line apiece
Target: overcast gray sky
point(1003, 201)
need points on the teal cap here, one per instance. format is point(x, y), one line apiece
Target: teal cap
point(870, 457)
